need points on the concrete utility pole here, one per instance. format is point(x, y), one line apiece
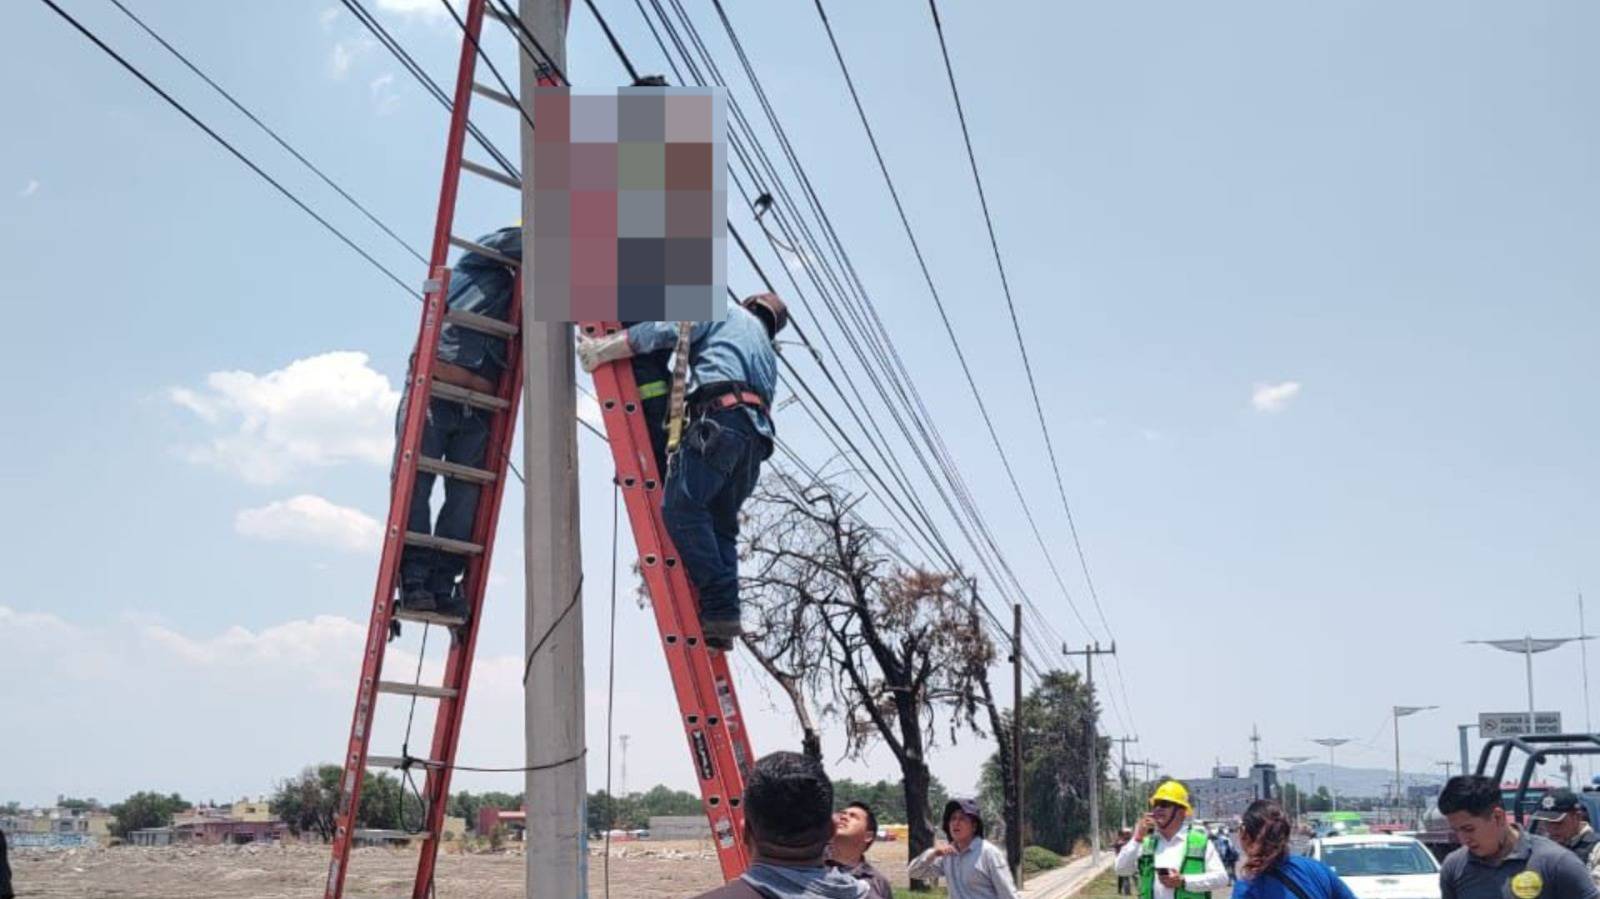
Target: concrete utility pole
point(557, 850)
point(1016, 839)
point(1461, 731)
point(1088, 653)
point(1122, 776)
point(624, 738)
point(1446, 765)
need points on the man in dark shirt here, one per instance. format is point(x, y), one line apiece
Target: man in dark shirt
point(1562, 815)
point(1497, 859)
point(855, 828)
point(788, 821)
point(454, 431)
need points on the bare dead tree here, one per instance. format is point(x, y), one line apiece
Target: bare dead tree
point(890, 649)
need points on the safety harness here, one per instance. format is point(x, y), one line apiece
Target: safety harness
point(1194, 862)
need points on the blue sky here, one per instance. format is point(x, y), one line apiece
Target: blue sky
point(1391, 208)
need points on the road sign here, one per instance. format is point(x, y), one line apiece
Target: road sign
point(1515, 724)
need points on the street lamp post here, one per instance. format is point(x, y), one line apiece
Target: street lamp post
point(1296, 760)
point(1461, 731)
point(1528, 646)
point(1332, 743)
point(1400, 711)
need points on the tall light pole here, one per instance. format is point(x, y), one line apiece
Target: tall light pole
point(1332, 743)
point(1461, 731)
point(1528, 646)
point(1401, 711)
point(1295, 760)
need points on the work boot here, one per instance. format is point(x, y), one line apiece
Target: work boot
point(720, 633)
point(453, 603)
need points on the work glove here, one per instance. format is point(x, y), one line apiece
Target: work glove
point(594, 352)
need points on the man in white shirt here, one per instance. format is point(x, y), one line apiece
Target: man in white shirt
point(1170, 859)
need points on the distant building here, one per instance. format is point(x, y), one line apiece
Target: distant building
point(515, 821)
point(679, 827)
point(251, 810)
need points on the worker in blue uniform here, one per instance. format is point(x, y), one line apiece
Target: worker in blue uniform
point(728, 433)
point(455, 431)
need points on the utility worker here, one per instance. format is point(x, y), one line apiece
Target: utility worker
point(728, 434)
point(454, 431)
point(1171, 859)
point(1561, 812)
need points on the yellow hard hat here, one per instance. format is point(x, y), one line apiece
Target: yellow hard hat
point(1172, 792)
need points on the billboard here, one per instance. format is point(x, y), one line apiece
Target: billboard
point(1515, 724)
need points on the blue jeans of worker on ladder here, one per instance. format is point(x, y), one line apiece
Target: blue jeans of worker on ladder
point(714, 471)
point(454, 432)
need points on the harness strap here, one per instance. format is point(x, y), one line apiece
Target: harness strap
point(680, 380)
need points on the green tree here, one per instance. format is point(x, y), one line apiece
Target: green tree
point(78, 805)
point(887, 797)
point(307, 802)
point(1056, 718)
point(145, 809)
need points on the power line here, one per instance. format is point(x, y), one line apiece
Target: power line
point(134, 70)
point(1011, 306)
point(270, 132)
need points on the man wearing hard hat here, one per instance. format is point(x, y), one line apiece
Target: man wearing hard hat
point(1171, 859)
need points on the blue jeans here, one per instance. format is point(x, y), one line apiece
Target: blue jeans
point(458, 433)
point(715, 470)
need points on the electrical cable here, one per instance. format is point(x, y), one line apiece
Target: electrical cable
point(237, 154)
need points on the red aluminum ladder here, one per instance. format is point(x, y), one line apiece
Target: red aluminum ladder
point(719, 745)
point(502, 407)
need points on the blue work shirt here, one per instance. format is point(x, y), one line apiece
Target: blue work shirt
point(482, 285)
point(1316, 879)
point(734, 349)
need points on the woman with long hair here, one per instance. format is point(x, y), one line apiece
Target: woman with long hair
point(1269, 871)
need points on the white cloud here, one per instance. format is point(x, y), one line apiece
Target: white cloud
point(1272, 398)
point(311, 519)
point(31, 188)
point(315, 412)
point(346, 52)
point(328, 16)
point(383, 93)
point(425, 9)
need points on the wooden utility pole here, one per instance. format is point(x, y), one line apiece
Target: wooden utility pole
point(1016, 839)
point(557, 850)
point(1088, 653)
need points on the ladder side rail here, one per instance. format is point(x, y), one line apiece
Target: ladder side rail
point(713, 747)
point(405, 471)
point(402, 481)
point(458, 664)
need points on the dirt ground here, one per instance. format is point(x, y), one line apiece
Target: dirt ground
point(646, 870)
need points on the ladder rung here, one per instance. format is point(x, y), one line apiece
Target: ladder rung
point(482, 250)
point(438, 618)
point(394, 761)
point(484, 323)
point(442, 543)
point(490, 93)
point(442, 390)
point(454, 471)
point(404, 689)
point(491, 174)
point(386, 835)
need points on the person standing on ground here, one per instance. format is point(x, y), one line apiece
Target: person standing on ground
point(1498, 859)
point(855, 828)
point(1269, 871)
point(5, 870)
point(973, 867)
point(1124, 882)
point(1171, 859)
point(1562, 814)
point(788, 822)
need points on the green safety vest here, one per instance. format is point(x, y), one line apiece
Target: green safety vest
point(1194, 862)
